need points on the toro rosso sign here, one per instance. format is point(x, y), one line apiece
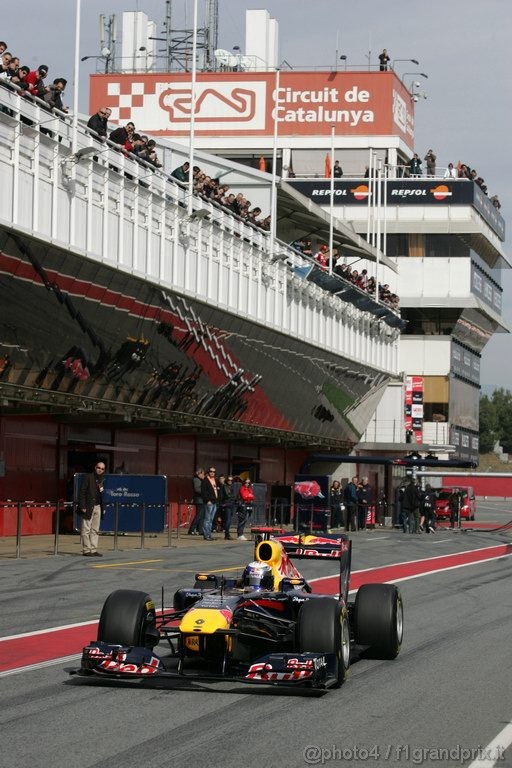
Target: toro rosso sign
point(248, 103)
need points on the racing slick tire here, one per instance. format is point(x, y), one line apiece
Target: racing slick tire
point(323, 627)
point(128, 618)
point(379, 619)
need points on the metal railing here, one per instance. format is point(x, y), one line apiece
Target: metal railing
point(58, 521)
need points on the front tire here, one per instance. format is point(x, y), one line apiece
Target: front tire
point(322, 627)
point(379, 619)
point(127, 618)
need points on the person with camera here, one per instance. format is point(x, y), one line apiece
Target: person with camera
point(246, 499)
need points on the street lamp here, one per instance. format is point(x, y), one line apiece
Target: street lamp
point(105, 56)
point(412, 61)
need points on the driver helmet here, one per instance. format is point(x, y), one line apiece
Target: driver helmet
point(258, 576)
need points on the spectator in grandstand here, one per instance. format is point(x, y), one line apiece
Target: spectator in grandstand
point(35, 80)
point(4, 65)
point(98, 123)
point(264, 224)
point(384, 61)
point(152, 156)
point(496, 201)
point(430, 160)
point(481, 183)
point(253, 215)
point(3, 47)
point(54, 92)
point(451, 172)
point(12, 67)
point(415, 165)
point(181, 173)
point(20, 78)
point(321, 256)
point(337, 170)
point(123, 135)
point(464, 171)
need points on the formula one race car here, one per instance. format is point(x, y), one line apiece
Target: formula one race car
point(267, 627)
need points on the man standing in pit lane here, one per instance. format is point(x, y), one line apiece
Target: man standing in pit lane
point(90, 505)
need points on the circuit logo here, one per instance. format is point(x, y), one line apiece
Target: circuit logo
point(361, 192)
point(440, 192)
point(217, 105)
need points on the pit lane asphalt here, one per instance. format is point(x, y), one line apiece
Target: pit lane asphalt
point(450, 685)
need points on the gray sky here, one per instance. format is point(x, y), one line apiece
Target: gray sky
point(463, 46)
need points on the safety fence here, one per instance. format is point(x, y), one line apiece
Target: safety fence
point(47, 527)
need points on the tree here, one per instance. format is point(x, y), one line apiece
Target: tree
point(496, 421)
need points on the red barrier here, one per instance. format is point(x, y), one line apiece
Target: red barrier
point(35, 519)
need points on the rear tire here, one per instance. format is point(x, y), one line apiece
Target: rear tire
point(322, 627)
point(126, 617)
point(379, 619)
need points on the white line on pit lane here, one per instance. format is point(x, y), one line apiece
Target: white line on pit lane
point(40, 665)
point(495, 749)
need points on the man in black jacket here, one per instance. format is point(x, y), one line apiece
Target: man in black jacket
point(411, 504)
point(98, 123)
point(90, 504)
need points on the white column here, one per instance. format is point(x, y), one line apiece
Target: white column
point(192, 113)
point(273, 196)
point(331, 215)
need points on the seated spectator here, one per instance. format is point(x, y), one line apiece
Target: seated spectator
point(54, 92)
point(98, 123)
point(35, 80)
point(181, 173)
point(122, 136)
point(496, 201)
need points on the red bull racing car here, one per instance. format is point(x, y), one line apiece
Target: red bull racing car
point(266, 627)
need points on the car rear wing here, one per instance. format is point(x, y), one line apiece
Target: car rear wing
point(311, 547)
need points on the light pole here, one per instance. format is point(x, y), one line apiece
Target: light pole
point(344, 58)
point(411, 61)
point(273, 195)
point(192, 115)
point(331, 216)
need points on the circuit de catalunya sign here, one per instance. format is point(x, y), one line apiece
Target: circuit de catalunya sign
point(248, 103)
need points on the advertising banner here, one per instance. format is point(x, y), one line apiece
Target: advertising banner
point(414, 407)
point(246, 103)
point(130, 492)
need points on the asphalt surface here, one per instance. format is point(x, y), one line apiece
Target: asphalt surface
point(449, 689)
